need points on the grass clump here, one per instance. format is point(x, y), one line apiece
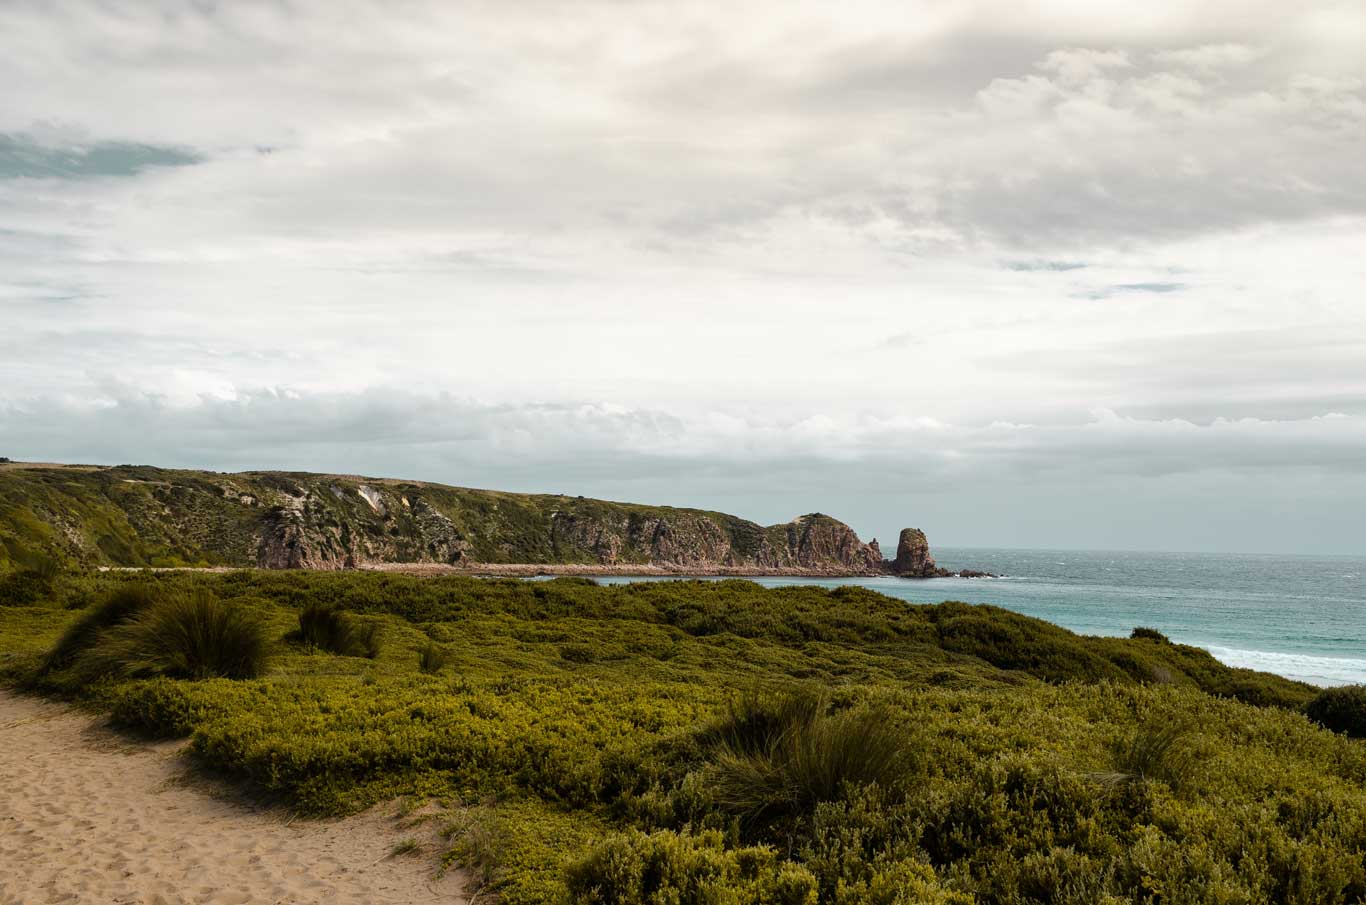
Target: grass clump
point(184, 636)
point(409, 846)
point(116, 607)
point(781, 758)
point(431, 658)
point(1158, 749)
point(1340, 709)
point(328, 628)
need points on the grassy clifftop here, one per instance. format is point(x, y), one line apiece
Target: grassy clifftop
point(144, 516)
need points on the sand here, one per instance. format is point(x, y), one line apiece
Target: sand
point(87, 815)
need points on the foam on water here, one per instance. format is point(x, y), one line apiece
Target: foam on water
point(1315, 670)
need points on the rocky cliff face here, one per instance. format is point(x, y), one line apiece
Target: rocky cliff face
point(138, 516)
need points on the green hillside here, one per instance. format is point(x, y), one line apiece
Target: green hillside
point(718, 742)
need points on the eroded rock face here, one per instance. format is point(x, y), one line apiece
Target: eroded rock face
point(685, 540)
point(309, 531)
point(818, 540)
point(139, 515)
point(913, 559)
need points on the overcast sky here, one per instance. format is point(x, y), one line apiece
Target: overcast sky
point(1058, 274)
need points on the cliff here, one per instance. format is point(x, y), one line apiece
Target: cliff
point(144, 516)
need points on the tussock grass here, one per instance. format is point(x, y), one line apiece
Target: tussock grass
point(780, 757)
point(187, 636)
point(116, 607)
point(1158, 749)
point(431, 658)
point(328, 628)
point(755, 721)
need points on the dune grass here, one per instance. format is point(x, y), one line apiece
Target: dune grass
point(722, 742)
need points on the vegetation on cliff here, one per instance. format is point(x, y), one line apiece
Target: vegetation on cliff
point(142, 516)
point(701, 742)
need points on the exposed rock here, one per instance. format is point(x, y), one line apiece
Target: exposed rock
point(913, 559)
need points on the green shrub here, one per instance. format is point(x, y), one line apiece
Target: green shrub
point(33, 583)
point(187, 636)
point(117, 606)
point(668, 868)
point(328, 628)
point(1150, 634)
point(1340, 709)
point(431, 658)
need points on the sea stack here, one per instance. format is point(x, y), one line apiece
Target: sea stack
point(913, 559)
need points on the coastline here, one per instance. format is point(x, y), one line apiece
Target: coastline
point(579, 570)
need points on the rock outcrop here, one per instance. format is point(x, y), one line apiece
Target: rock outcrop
point(913, 559)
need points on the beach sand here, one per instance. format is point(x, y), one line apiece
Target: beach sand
point(87, 815)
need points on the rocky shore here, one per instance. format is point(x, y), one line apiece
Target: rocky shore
point(913, 561)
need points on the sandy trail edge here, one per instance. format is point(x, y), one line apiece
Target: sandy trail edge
point(90, 816)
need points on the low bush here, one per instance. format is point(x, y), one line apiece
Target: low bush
point(33, 583)
point(1340, 709)
point(328, 628)
point(186, 636)
point(668, 868)
point(1149, 634)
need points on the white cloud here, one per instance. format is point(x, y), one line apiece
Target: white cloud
point(785, 233)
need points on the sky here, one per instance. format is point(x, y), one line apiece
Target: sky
point(1070, 274)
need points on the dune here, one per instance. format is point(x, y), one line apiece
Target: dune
point(88, 815)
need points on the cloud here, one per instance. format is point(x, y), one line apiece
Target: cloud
point(1208, 56)
point(292, 425)
point(655, 248)
point(1036, 266)
point(1151, 286)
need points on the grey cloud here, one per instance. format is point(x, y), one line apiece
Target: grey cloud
point(1159, 288)
point(130, 423)
point(879, 474)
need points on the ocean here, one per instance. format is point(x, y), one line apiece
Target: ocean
point(1299, 616)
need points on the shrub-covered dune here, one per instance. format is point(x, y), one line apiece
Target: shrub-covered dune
point(718, 742)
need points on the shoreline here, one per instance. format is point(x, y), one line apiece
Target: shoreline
point(580, 570)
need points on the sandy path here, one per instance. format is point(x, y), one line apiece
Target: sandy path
point(89, 816)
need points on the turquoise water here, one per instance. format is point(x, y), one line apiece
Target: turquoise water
point(1299, 616)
